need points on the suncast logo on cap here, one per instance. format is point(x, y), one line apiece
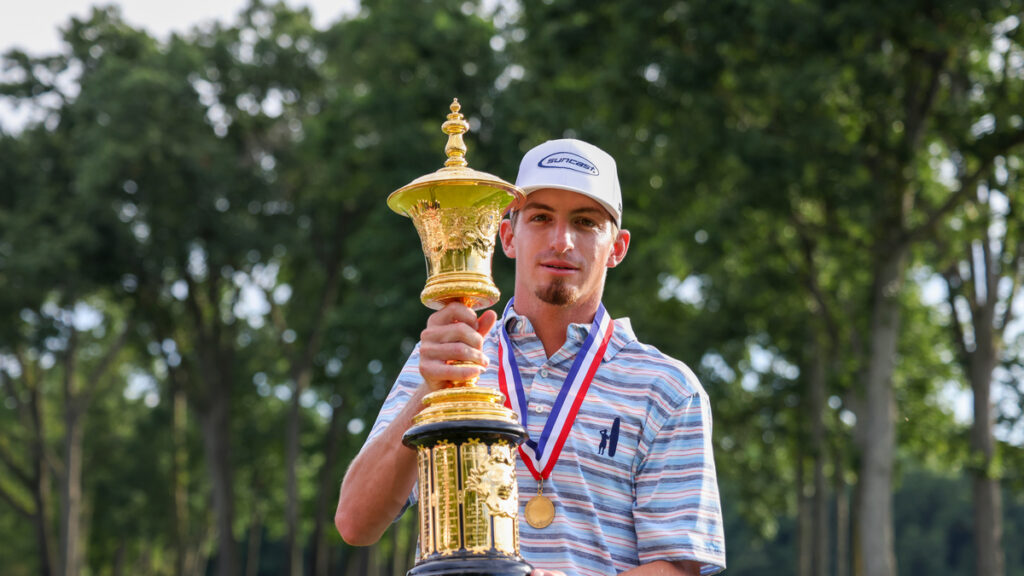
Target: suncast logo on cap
point(569, 161)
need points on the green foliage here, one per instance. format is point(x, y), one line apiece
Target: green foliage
point(225, 190)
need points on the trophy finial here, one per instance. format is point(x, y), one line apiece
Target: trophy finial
point(455, 127)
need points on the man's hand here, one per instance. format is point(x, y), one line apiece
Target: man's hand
point(382, 475)
point(539, 572)
point(454, 334)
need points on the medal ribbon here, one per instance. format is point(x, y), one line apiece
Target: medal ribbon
point(539, 456)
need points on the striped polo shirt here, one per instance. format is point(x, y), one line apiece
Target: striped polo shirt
point(635, 481)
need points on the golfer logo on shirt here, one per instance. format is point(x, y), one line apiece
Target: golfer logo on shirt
point(609, 441)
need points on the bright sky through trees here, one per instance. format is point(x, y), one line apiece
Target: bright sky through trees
point(35, 26)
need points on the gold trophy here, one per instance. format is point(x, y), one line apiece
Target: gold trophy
point(465, 438)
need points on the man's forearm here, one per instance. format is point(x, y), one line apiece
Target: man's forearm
point(381, 477)
point(378, 482)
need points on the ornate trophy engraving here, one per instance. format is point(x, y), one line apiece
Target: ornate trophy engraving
point(464, 436)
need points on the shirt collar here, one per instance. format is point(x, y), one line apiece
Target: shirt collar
point(622, 335)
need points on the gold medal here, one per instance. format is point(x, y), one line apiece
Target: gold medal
point(540, 510)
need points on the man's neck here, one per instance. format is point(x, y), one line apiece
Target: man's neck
point(551, 323)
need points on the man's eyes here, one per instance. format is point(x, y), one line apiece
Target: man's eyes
point(578, 221)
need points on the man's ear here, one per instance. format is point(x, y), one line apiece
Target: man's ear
point(619, 249)
point(506, 234)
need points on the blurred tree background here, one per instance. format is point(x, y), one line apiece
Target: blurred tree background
point(204, 298)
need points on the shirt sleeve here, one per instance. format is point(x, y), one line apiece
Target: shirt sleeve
point(404, 387)
point(677, 510)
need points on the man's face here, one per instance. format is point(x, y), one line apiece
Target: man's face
point(563, 243)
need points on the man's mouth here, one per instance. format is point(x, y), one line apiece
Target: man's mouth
point(559, 266)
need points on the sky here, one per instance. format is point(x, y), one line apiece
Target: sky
point(34, 25)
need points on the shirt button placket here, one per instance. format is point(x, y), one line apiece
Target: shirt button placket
point(539, 408)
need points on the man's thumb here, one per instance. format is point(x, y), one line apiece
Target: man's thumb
point(485, 322)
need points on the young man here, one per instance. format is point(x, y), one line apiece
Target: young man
point(633, 485)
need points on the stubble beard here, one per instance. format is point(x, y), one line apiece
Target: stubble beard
point(556, 293)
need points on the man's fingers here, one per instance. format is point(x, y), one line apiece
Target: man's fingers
point(451, 352)
point(453, 337)
point(451, 333)
point(437, 373)
point(448, 362)
point(452, 312)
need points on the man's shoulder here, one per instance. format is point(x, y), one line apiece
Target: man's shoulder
point(675, 376)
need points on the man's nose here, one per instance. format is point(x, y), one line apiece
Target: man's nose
point(562, 241)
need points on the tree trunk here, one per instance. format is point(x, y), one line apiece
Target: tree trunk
point(400, 552)
point(41, 486)
point(359, 561)
point(42, 529)
point(412, 538)
point(819, 508)
point(842, 523)
point(988, 512)
point(214, 365)
point(805, 538)
point(876, 551)
point(292, 462)
point(179, 480)
point(856, 561)
point(77, 397)
point(252, 556)
point(374, 561)
point(301, 372)
point(199, 555)
point(118, 568)
point(327, 495)
point(71, 492)
point(216, 440)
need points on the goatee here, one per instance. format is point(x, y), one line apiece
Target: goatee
point(556, 294)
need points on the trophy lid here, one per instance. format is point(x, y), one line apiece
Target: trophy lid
point(456, 171)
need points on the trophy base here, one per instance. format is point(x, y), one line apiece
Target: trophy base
point(466, 441)
point(467, 402)
point(477, 566)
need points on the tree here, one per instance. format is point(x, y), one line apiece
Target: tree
point(183, 193)
point(26, 223)
point(982, 286)
point(49, 299)
point(886, 82)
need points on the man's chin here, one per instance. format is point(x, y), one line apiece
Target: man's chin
point(557, 294)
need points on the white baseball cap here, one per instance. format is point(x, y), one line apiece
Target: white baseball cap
point(576, 166)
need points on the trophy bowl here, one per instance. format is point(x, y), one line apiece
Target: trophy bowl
point(457, 211)
point(457, 222)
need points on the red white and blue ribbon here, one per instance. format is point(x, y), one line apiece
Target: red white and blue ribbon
point(540, 455)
